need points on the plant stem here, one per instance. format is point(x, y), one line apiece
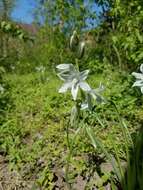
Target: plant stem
point(70, 146)
point(69, 157)
point(76, 63)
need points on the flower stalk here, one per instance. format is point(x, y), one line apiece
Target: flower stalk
point(83, 95)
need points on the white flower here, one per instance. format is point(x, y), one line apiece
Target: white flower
point(93, 94)
point(139, 77)
point(74, 80)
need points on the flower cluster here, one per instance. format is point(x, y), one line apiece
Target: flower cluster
point(74, 80)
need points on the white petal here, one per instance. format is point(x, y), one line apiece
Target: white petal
point(84, 74)
point(96, 95)
point(138, 83)
point(100, 89)
point(63, 66)
point(74, 89)
point(141, 68)
point(88, 103)
point(84, 86)
point(84, 106)
point(65, 87)
point(64, 76)
point(138, 75)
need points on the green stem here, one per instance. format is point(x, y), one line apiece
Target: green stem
point(76, 63)
point(70, 146)
point(67, 170)
point(118, 56)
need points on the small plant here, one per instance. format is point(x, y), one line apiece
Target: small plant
point(83, 95)
point(128, 176)
point(75, 80)
point(42, 73)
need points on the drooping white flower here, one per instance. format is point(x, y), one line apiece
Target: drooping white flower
point(74, 80)
point(139, 77)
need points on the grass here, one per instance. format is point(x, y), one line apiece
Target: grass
point(33, 137)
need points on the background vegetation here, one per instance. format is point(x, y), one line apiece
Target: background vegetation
point(33, 116)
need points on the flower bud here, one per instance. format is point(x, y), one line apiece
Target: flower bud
point(81, 49)
point(74, 40)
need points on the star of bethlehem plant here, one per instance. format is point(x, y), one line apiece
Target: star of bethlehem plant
point(84, 97)
point(82, 93)
point(75, 81)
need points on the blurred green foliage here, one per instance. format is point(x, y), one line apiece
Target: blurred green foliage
point(33, 116)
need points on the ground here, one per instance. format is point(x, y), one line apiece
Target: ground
point(33, 145)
